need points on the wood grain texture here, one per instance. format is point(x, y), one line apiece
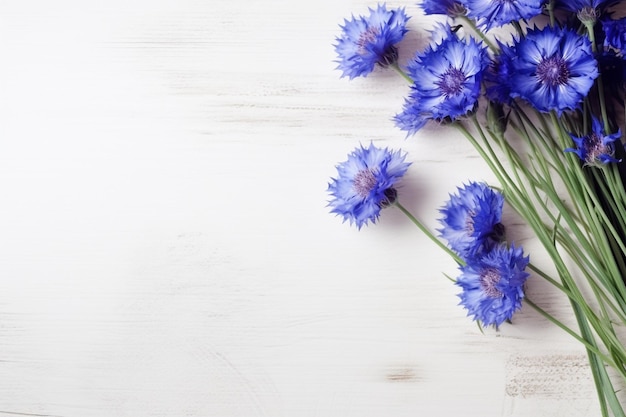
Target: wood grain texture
point(166, 249)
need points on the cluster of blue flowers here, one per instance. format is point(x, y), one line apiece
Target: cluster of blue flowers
point(552, 68)
point(493, 274)
point(557, 82)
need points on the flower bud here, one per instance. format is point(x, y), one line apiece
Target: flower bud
point(496, 120)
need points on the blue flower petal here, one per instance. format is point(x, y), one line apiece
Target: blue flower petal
point(471, 219)
point(554, 69)
point(447, 79)
point(493, 283)
point(494, 13)
point(367, 41)
point(365, 183)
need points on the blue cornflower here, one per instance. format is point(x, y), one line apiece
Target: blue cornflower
point(367, 41)
point(451, 8)
point(615, 35)
point(493, 284)
point(554, 69)
point(495, 13)
point(471, 219)
point(595, 148)
point(365, 183)
point(447, 79)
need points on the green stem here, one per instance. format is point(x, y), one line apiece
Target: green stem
point(400, 71)
point(428, 233)
point(600, 84)
point(479, 32)
point(591, 347)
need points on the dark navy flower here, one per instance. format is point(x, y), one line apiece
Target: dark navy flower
point(365, 183)
point(493, 284)
point(595, 148)
point(367, 41)
point(447, 80)
point(450, 8)
point(553, 70)
point(495, 13)
point(471, 220)
point(615, 35)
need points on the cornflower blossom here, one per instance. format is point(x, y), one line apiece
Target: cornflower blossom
point(471, 220)
point(595, 148)
point(615, 35)
point(365, 184)
point(367, 41)
point(450, 8)
point(495, 13)
point(493, 284)
point(554, 69)
point(447, 80)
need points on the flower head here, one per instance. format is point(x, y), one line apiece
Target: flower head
point(495, 13)
point(553, 70)
point(451, 8)
point(595, 148)
point(471, 219)
point(447, 81)
point(493, 284)
point(365, 183)
point(367, 41)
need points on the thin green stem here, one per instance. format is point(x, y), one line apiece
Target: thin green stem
point(400, 71)
point(591, 347)
point(429, 233)
point(599, 83)
point(479, 33)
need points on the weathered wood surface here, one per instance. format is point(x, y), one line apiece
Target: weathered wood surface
point(166, 249)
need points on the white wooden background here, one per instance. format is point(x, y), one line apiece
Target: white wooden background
point(166, 249)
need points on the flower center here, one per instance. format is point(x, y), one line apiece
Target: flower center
point(364, 182)
point(366, 38)
point(553, 71)
point(451, 82)
point(488, 281)
point(594, 148)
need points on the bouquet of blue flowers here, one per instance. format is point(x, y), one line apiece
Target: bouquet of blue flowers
point(543, 104)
